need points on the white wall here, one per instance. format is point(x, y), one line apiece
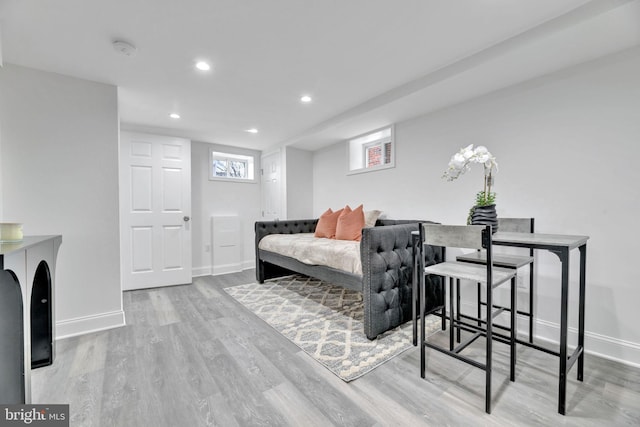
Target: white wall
point(59, 165)
point(222, 198)
point(298, 177)
point(1, 197)
point(1, 63)
point(568, 147)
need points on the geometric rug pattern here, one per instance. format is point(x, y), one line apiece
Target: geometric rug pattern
point(326, 321)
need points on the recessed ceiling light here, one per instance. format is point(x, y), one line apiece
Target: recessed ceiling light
point(305, 99)
point(252, 130)
point(174, 115)
point(203, 66)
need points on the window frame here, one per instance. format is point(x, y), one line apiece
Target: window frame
point(222, 155)
point(358, 146)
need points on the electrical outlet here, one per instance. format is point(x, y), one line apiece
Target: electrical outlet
point(207, 248)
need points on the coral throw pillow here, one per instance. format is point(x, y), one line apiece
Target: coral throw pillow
point(327, 223)
point(350, 224)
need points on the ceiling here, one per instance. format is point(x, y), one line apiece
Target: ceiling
point(366, 63)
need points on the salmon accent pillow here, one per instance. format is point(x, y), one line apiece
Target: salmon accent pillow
point(350, 224)
point(327, 223)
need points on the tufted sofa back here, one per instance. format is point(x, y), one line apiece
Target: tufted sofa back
point(293, 226)
point(264, 228)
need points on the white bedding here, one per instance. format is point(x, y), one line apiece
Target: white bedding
point(340, 254)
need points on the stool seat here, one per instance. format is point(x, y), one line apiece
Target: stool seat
point(506, 261)
point(468, 271)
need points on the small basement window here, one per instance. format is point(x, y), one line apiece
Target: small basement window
point(231, 167)
point(372, 151)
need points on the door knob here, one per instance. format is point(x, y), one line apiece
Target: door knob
point(186, 218)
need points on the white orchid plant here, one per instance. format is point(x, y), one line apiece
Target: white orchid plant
point(461, 162)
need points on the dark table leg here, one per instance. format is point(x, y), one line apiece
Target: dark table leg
point(531, 298)
point(415, 289)
point(583, 279)
point(422, 333)
point(564, 303)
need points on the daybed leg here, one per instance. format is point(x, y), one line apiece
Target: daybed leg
point(260, 272)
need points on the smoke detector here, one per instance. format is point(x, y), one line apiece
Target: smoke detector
point(125, 48)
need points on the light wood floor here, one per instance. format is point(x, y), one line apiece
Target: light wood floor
point(191, 356)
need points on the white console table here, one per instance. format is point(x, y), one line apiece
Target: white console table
point(31, 266)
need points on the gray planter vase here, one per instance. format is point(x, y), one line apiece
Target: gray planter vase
point(485, 215)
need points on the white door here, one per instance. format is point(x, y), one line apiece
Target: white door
point(271, 177)
point(155, 210)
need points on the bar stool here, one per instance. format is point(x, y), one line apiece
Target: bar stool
point(473, 237)
point(515, 262)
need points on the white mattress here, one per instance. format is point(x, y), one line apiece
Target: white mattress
point(340, 254)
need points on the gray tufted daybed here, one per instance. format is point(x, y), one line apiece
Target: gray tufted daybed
point(386, 252)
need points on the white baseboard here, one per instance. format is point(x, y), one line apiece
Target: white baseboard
point(84, 325)
point(223, 269)
point(201, 271)
point(226, 268)
point(622, 351)
point(625, 352)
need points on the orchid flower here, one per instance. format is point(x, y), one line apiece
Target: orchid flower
point(461, 162)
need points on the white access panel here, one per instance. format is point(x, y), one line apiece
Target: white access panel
point(226, 243)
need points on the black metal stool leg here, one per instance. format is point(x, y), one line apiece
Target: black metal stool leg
point(443, 282)
point(415, 285)
point(415, 302)
point(479, 303)
point(489, 348)
point(451, 315)
point(458, 309)
point(514, 328)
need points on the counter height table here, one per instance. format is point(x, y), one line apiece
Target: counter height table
point(561, 245)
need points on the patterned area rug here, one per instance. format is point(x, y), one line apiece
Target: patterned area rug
point(325, 321)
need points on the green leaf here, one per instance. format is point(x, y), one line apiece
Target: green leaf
point(483, 199)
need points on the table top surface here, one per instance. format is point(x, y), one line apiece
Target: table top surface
point(535, 240)
point(9, 247)
point(539, 239)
